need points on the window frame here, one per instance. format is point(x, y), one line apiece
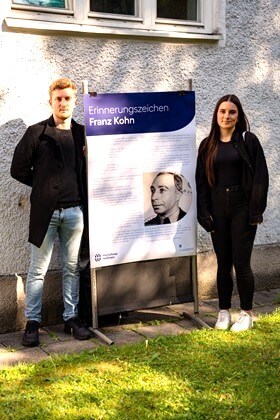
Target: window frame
point(78, 18)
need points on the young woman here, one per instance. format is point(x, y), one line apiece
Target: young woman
point(232, 185)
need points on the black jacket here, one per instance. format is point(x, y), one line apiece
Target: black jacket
point(254, 180)
point(37, 162)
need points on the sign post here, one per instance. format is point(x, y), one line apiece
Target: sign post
point(94, 328)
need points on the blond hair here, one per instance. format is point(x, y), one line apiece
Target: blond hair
point(62, 83)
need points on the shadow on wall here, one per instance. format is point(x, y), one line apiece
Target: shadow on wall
point(10, 133)
point(14, 202)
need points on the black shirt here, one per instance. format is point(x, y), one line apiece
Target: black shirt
point(227, 165)
point(69, 192)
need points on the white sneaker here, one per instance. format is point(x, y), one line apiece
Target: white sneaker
point(223, 321)
point(243, 323)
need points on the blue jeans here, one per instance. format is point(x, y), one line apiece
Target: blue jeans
point(68, 224)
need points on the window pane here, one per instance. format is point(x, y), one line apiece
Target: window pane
point(42, 3)
point(120, 7)
point(179, 9)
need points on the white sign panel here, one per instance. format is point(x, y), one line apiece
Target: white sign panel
point(141, 182)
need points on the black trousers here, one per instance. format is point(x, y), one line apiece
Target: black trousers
point(233, 240)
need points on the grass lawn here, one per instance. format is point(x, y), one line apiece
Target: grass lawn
point(205, 374)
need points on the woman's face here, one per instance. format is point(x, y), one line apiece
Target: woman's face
point(227, 115)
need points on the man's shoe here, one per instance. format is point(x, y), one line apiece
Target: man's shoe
point(31, 334)
point(223, 321)
point(243, 323)
point(74, 325)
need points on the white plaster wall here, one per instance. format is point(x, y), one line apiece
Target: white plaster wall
point(246, 63)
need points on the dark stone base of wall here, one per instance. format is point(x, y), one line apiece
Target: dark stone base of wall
point(265, 265)
point(12, 302)
point(165, 281)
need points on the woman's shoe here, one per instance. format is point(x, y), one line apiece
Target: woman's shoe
point(75, 327)
point(224, 320)
point(243, 323)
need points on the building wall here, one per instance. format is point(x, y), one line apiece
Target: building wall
point(245, 62)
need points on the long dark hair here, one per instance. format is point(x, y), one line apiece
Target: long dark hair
point(209, 146)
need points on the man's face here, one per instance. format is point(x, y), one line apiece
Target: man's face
point(164, 195)
point(63, 102)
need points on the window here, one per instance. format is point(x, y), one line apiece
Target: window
point(158, 18)
point(184, 10)
point(33, 9)
point(124, 7)
point(42, 3)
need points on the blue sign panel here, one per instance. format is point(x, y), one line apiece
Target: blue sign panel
point(129, 113)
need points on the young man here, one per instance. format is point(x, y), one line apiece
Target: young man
point(50, 159)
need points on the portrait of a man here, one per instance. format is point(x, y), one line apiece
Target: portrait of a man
point(166, 191)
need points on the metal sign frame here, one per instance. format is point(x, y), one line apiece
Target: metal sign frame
point(93, 274)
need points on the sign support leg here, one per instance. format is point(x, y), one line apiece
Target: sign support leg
point(194, 317)
point(94, 328)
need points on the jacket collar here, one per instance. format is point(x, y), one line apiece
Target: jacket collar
point(50, 129)
point(239, 144)
point(236, 136)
